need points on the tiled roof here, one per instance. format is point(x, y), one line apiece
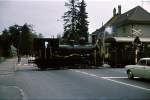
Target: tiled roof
point(136, 15)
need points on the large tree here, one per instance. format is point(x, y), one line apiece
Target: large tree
point(22, 38)
point(76, 24)
point(26, 40)
point(15, 32)
point(82, 25)
point(70, 20)
point(6, 42)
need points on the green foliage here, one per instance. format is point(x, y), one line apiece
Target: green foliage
point(15, 31)
point(70, 19)
point(82, 25)
point(21, 37)
point(75, 21)
point(26, 40)
point(5, 43)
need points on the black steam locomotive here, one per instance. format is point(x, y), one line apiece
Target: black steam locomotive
point(50, 54)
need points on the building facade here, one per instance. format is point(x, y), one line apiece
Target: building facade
point(124, 28)
point(124, 25)
point(136, 19)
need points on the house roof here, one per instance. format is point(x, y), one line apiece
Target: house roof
point(137, 15)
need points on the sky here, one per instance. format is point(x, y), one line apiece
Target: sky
point(46, 15)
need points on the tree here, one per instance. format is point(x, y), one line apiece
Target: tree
point(6, 43)
point(82, 25)
point(22, 38)
point(76, 24)
point(70, 19)
point(26, 39)
point(15, 31)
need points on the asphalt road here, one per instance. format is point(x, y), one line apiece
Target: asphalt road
point(76, 84)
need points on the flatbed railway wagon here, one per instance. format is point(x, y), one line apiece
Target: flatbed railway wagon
point(50, 54)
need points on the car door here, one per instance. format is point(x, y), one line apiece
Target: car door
point(147, 70)
point(140, 69)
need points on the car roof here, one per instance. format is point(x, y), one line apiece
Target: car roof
point(145, 59)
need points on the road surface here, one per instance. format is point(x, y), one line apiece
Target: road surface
point(29, 83)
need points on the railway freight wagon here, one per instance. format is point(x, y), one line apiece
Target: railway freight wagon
point(50, 54)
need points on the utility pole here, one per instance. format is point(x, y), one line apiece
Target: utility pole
point(19, 47)
point(103, 47)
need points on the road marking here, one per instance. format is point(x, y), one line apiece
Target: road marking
point(109, 79)
point(22, 94)
point(114, 77)
point(117, 77)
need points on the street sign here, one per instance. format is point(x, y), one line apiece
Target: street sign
point(137, 32)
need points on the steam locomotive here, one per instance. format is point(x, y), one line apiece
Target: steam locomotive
point(50, 54)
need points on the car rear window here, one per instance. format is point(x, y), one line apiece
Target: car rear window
point(142, 62)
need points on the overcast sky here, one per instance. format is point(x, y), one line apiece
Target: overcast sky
point(45, 15)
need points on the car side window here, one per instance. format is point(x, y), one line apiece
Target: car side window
point(142, 62)
point(148, 62)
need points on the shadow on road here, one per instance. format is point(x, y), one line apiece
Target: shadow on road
point(142, 80)
point(34, 69)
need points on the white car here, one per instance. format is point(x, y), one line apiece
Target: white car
point(141, 69)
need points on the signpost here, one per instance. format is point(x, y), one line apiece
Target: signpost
point(137, 43)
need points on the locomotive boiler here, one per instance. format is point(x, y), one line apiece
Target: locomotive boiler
point(50, 54)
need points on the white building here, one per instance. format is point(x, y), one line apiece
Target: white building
point(126, 24)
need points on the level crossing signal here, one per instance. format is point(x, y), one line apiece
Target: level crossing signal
point(137, 32)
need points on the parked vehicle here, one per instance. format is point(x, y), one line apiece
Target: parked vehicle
point(141, 69)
